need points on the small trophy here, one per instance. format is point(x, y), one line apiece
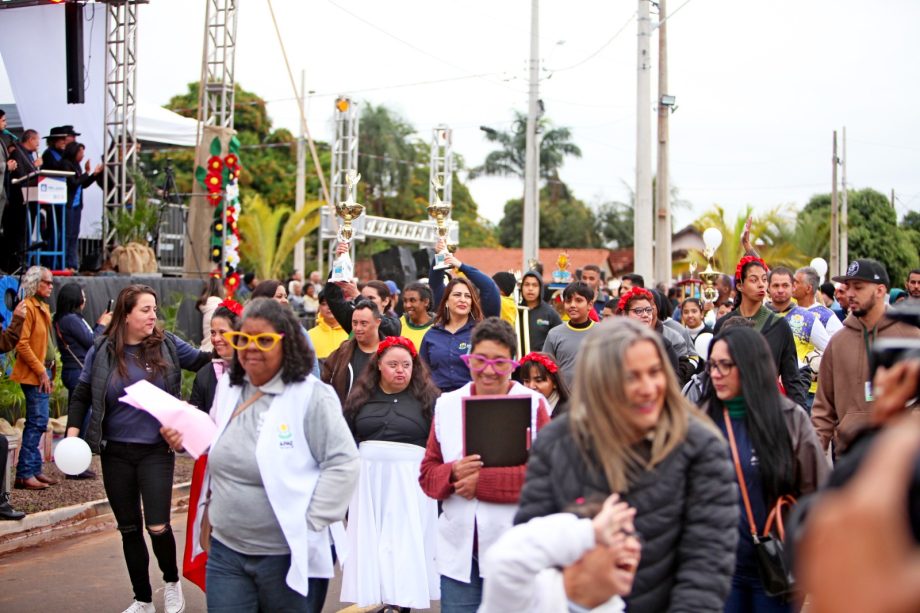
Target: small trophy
point(440, 211)
point(342, 267)
point(561, 275)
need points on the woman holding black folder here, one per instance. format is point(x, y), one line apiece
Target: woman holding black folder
point(479, 501)
point(392, 524)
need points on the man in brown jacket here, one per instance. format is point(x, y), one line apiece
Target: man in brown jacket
point(33, 371)
point(843, 403)
point(344, 365)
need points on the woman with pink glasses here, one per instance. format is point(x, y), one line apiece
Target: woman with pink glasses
point(478, 502)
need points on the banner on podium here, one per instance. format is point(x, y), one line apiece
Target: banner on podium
point(52, 190)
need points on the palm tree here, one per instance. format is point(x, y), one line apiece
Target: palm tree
point(772, 234)
point(509, 159)
point(268, 235)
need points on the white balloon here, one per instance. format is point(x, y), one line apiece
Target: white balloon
point(72, 455)
point(712, 238)
point(820, 266)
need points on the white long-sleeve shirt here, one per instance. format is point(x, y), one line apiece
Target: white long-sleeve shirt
point(522, 569)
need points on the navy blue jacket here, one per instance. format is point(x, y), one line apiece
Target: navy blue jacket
point(489, 297)
point(74, 339)
point(441, 350)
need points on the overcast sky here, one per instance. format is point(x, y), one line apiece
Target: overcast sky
point(760, 85)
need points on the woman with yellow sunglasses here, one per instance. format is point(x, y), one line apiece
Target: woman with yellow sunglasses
point(281, 469)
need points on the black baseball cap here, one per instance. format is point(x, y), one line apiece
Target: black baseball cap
point(868, 270)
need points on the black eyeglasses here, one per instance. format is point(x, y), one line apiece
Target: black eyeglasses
point(642, 311)
point(723, 367)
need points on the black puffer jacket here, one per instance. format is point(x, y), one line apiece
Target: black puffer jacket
point(686, 512)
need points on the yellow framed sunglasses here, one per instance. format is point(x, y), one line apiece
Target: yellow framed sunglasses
point(265, 341)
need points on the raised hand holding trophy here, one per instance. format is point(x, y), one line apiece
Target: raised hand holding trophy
point(342, 267)
point(440, 211)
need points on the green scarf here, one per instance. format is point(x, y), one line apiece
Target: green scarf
point(737, 407)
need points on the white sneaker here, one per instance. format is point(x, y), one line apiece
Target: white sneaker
point(141, 607)
point(173, 598)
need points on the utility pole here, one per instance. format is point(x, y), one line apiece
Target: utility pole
point(300, 190)
point(642, 225)
point(663, 197)
point(835, 239)
point(844, 229)
point(892, 197)
point(531, 237)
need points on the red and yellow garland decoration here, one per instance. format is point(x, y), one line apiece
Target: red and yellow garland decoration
point(220, 178)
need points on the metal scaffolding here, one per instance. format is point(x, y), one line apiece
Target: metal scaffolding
point(119, 140)
point(344, 158)
point(217, 65)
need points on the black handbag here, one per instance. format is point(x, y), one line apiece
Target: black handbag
point(772, 564)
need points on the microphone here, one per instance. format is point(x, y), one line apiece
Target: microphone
point(11, 135)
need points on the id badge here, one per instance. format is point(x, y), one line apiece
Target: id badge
point(869, 397)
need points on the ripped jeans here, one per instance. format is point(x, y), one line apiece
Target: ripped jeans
point(131, 473)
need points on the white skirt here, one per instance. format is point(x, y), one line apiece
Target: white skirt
point(392, 531)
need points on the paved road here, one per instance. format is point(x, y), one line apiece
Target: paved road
point(86, 573)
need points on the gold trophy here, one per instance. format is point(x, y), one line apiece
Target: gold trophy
point(342, 267)
point(440, 211)
point(712, 238)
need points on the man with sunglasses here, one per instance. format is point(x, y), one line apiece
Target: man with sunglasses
point(344, 365)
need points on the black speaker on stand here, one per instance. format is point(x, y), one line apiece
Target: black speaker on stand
point(424, 258)
point(73, 49)
point(396, 264)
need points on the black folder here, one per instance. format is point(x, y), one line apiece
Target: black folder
point(497, 428)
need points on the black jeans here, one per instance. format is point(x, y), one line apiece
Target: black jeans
point(132, 472)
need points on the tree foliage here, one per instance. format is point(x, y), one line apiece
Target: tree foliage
point(771, 234)
point(568, 222)
point(269, 234)
point(873, 231)
point(509, 160)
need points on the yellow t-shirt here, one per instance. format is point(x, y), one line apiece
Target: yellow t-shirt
point(326, 339)
point(412, 332)
point(509, 310)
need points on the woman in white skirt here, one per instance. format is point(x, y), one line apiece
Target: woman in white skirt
point(392, 524)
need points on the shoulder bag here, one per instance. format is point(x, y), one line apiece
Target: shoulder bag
point(773, 566)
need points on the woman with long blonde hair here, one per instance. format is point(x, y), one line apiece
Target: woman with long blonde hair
point(629, 431)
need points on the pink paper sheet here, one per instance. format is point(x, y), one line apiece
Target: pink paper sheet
point(196, 426)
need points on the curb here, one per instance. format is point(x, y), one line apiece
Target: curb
point(41, 528)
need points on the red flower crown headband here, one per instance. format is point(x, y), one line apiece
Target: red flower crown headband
point(632, 293)
point(396, 341)
point(232, 305)
point(541, 358)
point(747, 260)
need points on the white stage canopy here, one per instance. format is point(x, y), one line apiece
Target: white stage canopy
point(32, 51)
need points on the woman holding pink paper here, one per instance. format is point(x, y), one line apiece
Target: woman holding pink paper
point(136, 462)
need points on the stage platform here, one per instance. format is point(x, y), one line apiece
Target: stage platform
point(101, 288)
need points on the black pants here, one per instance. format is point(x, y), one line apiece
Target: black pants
point(4, 450)
point(132, 472)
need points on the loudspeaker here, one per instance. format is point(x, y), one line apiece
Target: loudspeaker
point(424, 258)
point(73, 49)
point(396, 264)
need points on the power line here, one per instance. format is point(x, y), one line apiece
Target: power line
point(413, 46)
point(599, 49)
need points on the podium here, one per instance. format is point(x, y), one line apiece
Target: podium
point(44, 193)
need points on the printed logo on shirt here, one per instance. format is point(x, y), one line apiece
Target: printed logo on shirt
point(285, 438)
point(542, 322)
point(463, 346)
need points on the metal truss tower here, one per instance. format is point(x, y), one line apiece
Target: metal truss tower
point(119, 140)
point(215, 106)
point(344, 158)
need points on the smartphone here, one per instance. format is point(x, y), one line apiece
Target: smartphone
point(111, 305)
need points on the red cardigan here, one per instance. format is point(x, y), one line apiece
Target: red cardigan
point(500, 485)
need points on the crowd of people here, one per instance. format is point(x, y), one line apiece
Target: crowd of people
point(667, 433)
point(20, 158)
